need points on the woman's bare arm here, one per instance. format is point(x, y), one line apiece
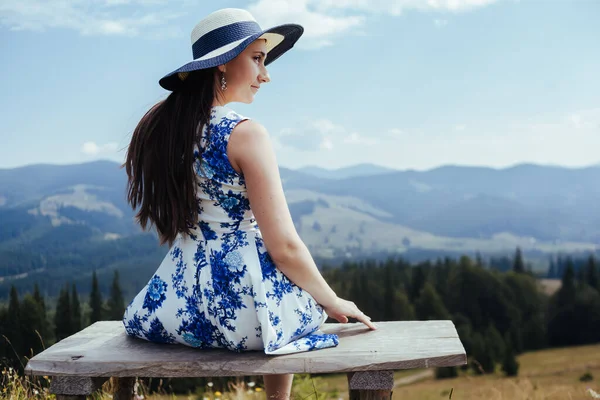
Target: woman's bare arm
point(250, 152)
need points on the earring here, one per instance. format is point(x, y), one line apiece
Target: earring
point(223, 82)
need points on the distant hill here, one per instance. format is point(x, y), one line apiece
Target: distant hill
point(61, 222)
point(346, 172)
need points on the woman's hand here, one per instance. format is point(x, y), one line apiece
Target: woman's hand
point(341, 309)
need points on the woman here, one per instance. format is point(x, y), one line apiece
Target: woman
point(207, 178)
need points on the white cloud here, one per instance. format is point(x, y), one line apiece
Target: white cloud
point(93, 149)
point(299, 140)
point(96, 17)
point(134, 2)
point(327, 127)
point(324, 20)
point(326, 143)
point(355, 138)
point(460, 127)
point(319, 27)
point(321, 134)
point(584, 119)
point(396, 7)
point(395, 132)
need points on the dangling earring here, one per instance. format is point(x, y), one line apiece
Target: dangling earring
point(223, 82)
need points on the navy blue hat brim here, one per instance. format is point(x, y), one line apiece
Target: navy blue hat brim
point(290, 32)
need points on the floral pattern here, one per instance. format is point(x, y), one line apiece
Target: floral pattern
point(218, 287)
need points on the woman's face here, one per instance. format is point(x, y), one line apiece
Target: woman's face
point(245, 73)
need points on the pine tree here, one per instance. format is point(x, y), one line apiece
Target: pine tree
point(32, 321)
point(518, 264)
point(429, 305)
point(478, 260)
point(566, 293)
point(510, 366)
point(39, 299)
point(418, 279)
point(494, 343)
point(487, 360)
point(516, 338)
point(63, 323)
point(560, 267)
point(388, 293)
point(37, 296)
point(592, 277)
point(477, 353)
point(562, 310)
point(95, 301)
point(403, 310)
point(116, 306)
point(581, 276)
point(551, 270)
point(76, 324)
point(4, 347)
point(14, 330)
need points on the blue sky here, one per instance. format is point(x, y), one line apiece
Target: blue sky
point(408, 84)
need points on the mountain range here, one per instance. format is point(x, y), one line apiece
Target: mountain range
point(74, 218)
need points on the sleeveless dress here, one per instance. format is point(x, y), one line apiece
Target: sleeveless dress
point(218, 287)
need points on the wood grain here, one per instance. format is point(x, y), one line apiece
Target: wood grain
point(104, 350)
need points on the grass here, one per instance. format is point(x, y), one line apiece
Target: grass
point(496, 388)
point(545, 374)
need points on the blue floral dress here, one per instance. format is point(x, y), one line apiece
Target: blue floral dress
point(218, 287)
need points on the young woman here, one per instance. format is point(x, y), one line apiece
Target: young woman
point(237, 275)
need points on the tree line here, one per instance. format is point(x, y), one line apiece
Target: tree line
point(498, 313)
point(28, 325)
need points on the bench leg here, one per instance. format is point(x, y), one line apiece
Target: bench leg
point(370, 385)
point(123, 389)
point(74, 387)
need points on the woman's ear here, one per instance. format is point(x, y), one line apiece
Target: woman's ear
point(221, 68)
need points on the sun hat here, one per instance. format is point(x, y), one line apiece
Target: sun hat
point(225, 33)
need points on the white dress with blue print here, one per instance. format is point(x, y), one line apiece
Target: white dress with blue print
point(218, 287)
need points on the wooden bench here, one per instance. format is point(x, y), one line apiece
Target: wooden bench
point(81, 363)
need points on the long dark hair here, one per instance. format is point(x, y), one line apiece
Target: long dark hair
point(160, 156)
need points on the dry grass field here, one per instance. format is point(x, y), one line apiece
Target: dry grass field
point(547, 374)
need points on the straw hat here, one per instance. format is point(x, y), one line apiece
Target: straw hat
point(224, 34)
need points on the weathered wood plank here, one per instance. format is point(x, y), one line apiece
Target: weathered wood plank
point(103, 349)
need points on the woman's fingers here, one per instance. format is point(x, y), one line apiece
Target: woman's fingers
point(345, 309)
point(365, 320)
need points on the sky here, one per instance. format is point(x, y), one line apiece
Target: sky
point(406, 84)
